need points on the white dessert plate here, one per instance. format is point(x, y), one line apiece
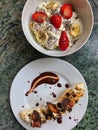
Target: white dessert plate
point(45, 92)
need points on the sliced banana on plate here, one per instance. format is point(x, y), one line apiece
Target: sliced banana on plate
point(76, 28)
point(52, 5)
point(31, 25)
point(34, 26)
point(41, 36)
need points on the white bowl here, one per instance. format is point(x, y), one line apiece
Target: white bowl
point(86, 15)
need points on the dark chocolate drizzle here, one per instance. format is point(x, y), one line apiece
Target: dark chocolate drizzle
point(45, 77)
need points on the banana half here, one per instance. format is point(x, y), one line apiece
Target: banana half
point(41, 36)
point(76, 28)
point(31, 25)
point(52, 5)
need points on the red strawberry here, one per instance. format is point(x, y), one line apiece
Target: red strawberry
point(63, 41)
point(66, 11)
point(39, 17)
point(56, 20)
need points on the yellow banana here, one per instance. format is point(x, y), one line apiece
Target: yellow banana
point(31, 25)
point(75, 29)
point(51, 5)
point(41, 36)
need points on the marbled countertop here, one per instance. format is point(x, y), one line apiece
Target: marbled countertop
point(15, 52)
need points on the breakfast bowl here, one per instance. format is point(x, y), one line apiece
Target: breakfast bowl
point(80, 10)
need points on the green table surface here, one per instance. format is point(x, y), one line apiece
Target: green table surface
point(15, 52)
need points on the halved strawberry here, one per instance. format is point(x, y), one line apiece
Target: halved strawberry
point(56, 20)
point(66, 11)
point(39, 17)
point(63, 41)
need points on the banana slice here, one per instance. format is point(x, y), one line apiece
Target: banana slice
point(51, 43)
point(31, 25)
point(34, 27)
point(26, 115)
point(41, 36)
point(75, 29)
point(52, 5)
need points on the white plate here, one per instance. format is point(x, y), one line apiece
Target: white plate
point(22, 81)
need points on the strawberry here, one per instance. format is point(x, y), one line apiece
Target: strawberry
point(66, 11)
point(56, 20)
point(39, 17)
point(63, 41)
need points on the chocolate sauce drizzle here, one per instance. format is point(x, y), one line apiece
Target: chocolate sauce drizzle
point(45, 77)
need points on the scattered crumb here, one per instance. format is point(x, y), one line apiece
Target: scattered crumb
point(40, 99)
point(67, 85)
point(28, 81)
point(59, 85)
point(35, 92)
point(37, 104)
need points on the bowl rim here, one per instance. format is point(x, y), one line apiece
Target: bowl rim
point(59, 54)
